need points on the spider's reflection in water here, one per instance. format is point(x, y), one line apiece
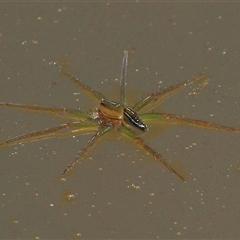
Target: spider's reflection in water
point(113, 115)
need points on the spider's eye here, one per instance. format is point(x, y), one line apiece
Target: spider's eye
point(133, 119)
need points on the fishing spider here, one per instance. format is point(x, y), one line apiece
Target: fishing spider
point(112, 115)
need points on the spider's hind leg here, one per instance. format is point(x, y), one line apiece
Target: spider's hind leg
point(139, 141)
point(173, 119)
point(154, 99)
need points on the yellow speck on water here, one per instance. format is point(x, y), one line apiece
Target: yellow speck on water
point(151, 194)
point(68, 196)
point(15, 221)
point(78, 235)
point(135, 187)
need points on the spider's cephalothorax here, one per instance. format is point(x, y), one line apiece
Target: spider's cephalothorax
point(111, 115)
point(111, 110)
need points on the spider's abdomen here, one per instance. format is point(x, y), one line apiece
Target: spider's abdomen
point(133, 119)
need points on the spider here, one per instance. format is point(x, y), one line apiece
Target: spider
point(112, 115)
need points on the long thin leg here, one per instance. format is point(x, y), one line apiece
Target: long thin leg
point(154, 99)
point(97, 96)
point(90, 144)
point(123, 79)
point(53, 132)
point(176, 119)
point(64, 113)
point(139, 141)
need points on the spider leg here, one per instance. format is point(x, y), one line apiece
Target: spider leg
point(123, 79)
point(69, 114)
point(102, 131)
point(97, 96)
point(139, 141)
point(176, 119)
point(72, 129)
point(154, 99)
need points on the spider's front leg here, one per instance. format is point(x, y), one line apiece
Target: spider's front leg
point(86, 89)
point(91, 143)
point(63, 130)
point(65, 113)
